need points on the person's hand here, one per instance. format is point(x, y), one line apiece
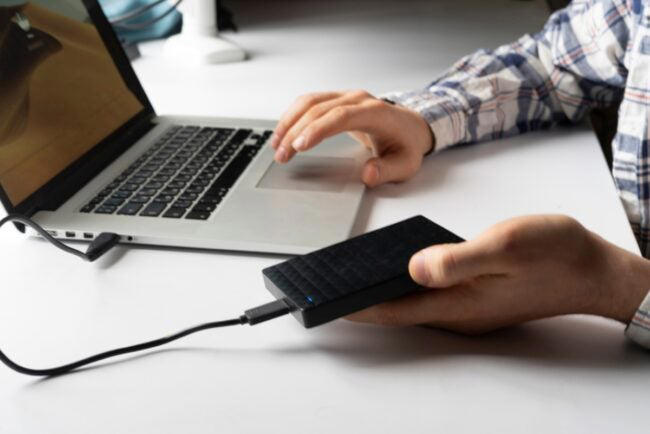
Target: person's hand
point(522, 269)
point(399, 137)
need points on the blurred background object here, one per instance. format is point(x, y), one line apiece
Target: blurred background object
point(199, 42)
point(141, 20)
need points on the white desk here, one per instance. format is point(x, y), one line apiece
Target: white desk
point(565, 375)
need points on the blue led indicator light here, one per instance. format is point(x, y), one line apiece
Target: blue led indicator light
point(309, 299)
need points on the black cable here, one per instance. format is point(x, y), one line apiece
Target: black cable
point(102, 244)
point(50, 372)
point(253, 316)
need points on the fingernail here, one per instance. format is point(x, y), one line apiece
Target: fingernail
point(299, 143)
point(281, 155)
point(275, 141)
point(419, 271)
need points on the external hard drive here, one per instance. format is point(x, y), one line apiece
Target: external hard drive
point(355, 274)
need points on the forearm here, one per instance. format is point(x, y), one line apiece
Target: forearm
point(530, 84)
point(488, 95)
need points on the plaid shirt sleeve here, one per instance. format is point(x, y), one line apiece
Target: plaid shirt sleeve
point(557, 75)
point(638, 329)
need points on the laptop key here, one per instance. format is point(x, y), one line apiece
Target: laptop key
point(129, 187)
point(154, 185)
point(104, 209)
point(175, 213)
point(210, 200)
point(148, 191)
point(188, 196)
point(153, 209)
point(216, 192)
point(177, 184)
point(198, 215)
point(170, 191)
point(121, 194)
point(114, 202)
point(184, 178)
point(183, 204)
point(140, 199)
point(88, 208)
point(164, 198)
point(240, 136)
point(201, 182)
point(105, 192)
point(236, 167)
point(204, 207)
point(138, 179)
point(130, 208)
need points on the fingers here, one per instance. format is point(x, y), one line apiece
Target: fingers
point(291, 140)
point(335, 121)
point(366, 116)
point(391, 167)
point(435, 307)
point(295, 111)
point(293, 131)
point(446, 265)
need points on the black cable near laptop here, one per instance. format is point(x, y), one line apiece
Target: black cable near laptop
point(316, 288)
point(102, 244)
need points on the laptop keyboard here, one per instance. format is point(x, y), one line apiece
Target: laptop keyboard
point(185, 174)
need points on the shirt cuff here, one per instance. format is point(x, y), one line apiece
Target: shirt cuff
point(445, 117)
point(638, 330)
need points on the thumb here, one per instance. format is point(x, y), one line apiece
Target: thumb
point(392, 167)
point(445, 265)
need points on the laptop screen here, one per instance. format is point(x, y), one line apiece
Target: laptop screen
point(60, 92)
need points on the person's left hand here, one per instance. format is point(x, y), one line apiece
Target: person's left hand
point(518, 270)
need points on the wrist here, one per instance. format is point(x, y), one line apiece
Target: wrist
point(426, 138)
point(626, 286)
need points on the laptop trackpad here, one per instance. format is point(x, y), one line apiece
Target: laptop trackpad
point(309, 173)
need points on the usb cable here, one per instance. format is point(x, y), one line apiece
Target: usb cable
point(102, 244)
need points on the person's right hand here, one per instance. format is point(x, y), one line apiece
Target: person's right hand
point(399, 137)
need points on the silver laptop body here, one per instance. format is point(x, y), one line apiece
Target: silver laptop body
point(293, 208)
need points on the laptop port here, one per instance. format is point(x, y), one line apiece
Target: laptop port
point(53, 233)
point(70, 234)
point(88, 236)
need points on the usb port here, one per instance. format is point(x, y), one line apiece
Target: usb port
point(53, 233)
point(70, 234)
point(88, 236)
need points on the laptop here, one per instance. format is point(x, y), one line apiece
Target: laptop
point(82, 151)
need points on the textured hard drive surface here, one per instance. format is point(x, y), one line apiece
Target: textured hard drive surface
point(336, 273)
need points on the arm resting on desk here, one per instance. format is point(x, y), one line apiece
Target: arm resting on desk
point(572, 66)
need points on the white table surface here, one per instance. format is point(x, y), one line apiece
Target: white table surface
point(563, 375)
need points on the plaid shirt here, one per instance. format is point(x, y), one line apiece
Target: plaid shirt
point(592, 54)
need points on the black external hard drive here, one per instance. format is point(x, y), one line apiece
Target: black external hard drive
point(355, 274)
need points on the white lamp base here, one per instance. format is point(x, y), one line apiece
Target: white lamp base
point(202, 50)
